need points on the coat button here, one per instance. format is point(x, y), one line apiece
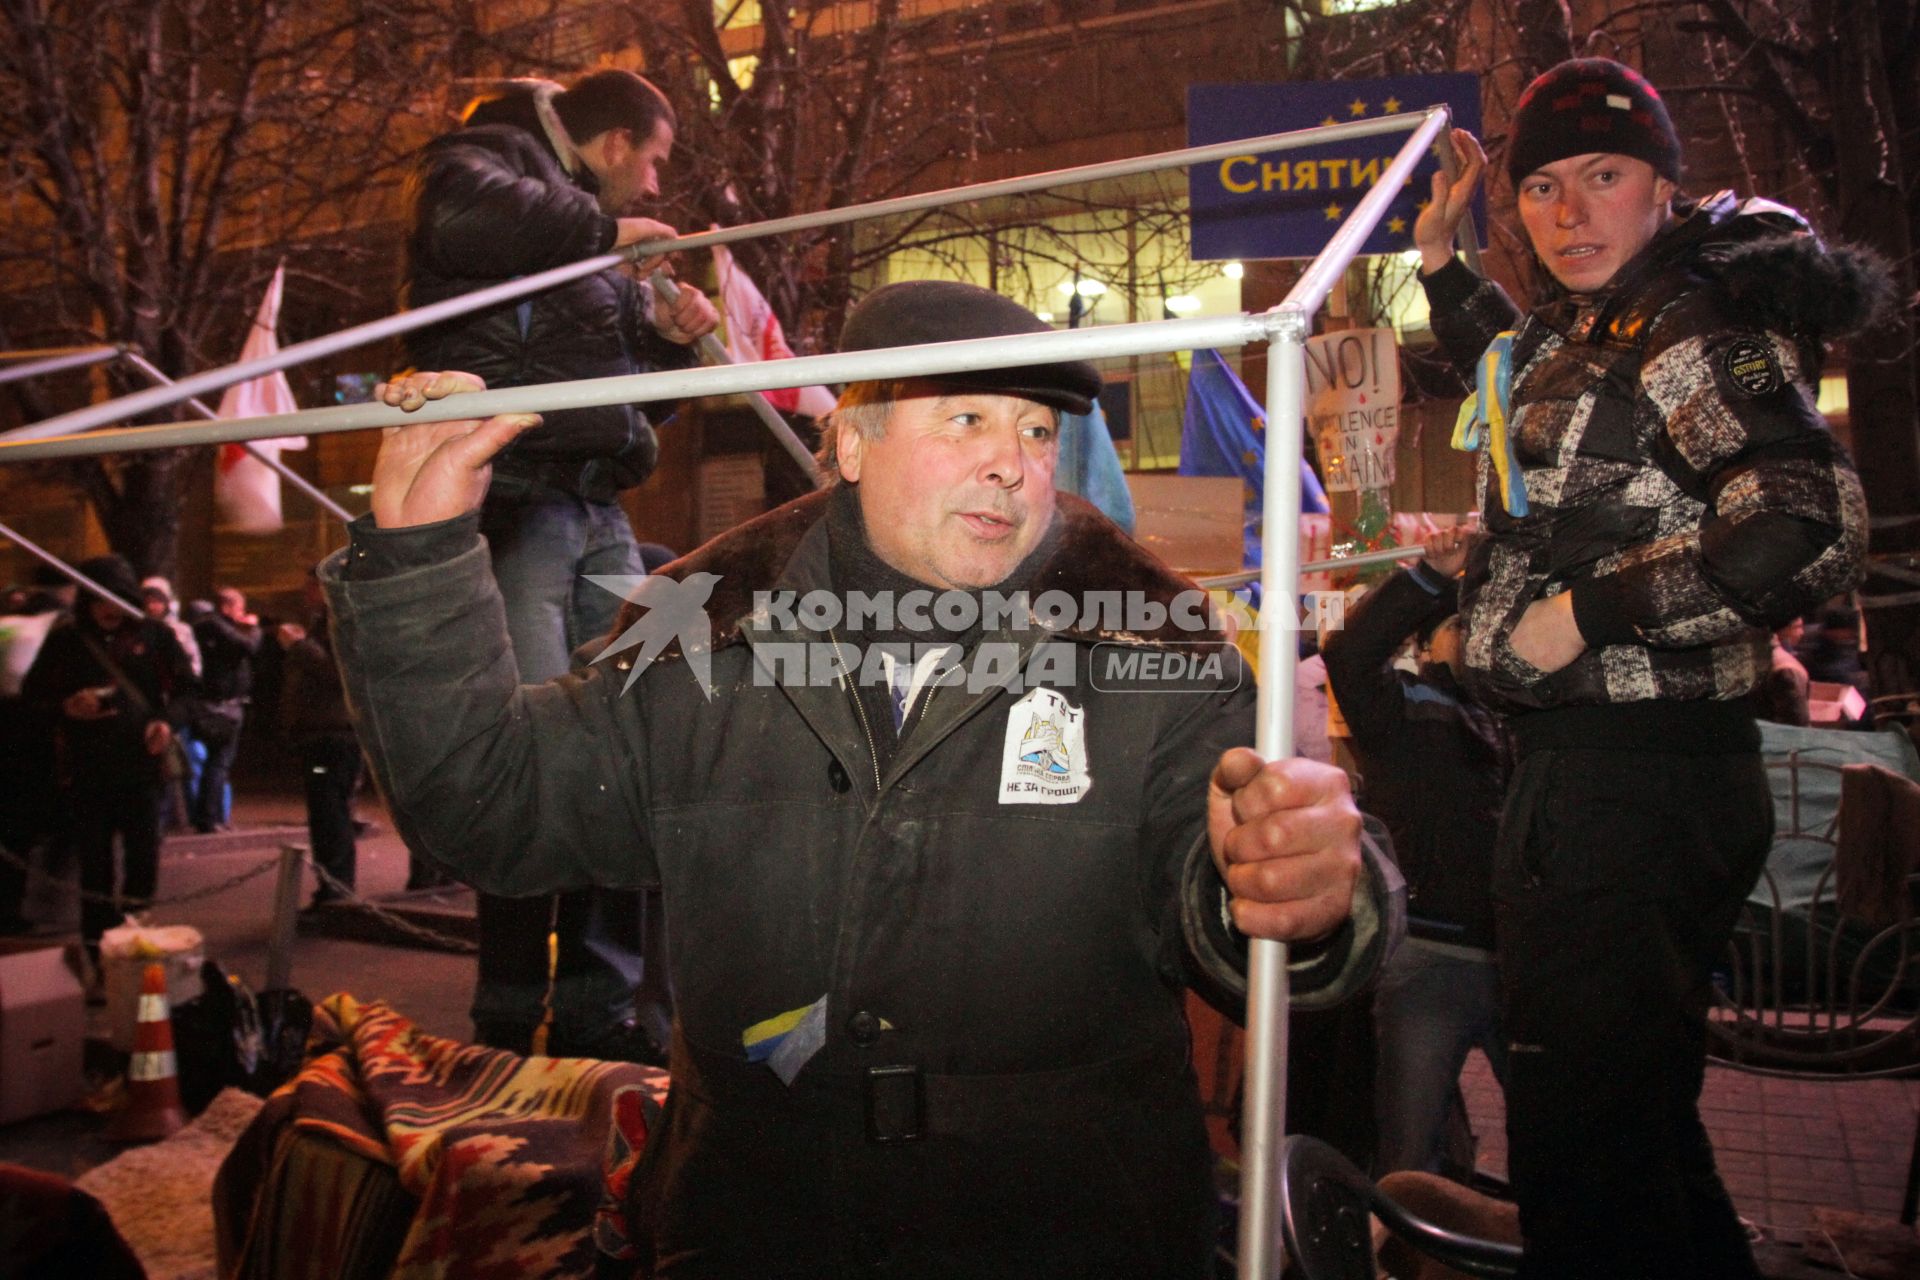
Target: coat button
point(837, 777)
point(864, 1028)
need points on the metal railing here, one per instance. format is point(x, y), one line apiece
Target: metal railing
point(151, 372)
point(1286, 327)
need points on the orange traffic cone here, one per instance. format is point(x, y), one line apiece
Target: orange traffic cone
point(153, 1081)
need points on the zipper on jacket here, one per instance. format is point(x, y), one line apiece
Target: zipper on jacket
point(873, 752)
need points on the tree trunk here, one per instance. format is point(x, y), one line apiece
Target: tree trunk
point(1881, 387)
point(1545, 34)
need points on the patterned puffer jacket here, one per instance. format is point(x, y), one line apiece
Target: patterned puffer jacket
point(1679, 481)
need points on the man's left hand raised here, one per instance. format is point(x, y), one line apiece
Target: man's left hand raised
point(436, 470)
point(1286, 837)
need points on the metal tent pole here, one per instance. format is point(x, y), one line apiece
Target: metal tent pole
point(140, 402)
point(285, 472)
point(1264, 1095)
point(1386, 555)
point(45, 556)
point(1264, 1099)
point(1464, 236)
point(713, 353)
point(58, 363)
point(676, 384)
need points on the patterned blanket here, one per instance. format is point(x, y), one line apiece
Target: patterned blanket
point(398, 1153)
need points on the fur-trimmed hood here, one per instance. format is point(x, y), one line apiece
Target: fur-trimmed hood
point(1767, 267)
point(1775, 271)
point(786, 548)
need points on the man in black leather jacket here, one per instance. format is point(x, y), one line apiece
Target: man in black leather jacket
point(539, 177)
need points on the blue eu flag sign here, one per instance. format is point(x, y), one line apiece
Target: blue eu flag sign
point(1225, 434)
point(1286, 204)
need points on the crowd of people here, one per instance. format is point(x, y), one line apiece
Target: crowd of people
point(120, 729)
point(907, 898)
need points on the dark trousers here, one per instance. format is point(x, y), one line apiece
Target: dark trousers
point(102, 809)
point(330, 766)
point(13, 888)
point(1617, 883)
point(745, 1176)
point(597, 964)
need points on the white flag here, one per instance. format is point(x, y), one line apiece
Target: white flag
point(247, 489)
point(753, 334)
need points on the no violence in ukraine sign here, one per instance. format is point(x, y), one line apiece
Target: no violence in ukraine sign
point(1286, 204)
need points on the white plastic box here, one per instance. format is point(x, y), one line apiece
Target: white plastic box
point(43, 1030)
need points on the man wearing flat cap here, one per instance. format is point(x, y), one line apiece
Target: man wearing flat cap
point(938, 859)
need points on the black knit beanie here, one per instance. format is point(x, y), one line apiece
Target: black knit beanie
point(1588, 105)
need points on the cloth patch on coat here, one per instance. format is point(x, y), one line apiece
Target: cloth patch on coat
point(787, 1041)
point(1751, 367)
point(1045, 760)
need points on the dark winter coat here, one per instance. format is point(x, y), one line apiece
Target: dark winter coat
point(1681, 483)
point(1020, 964)
point(114, 748)
point(313, 703)
point(226, 656)
point(492, 202)
point(1434, 763)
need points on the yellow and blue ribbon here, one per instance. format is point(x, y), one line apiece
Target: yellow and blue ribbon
point(1483, 422)
point(786, 1041)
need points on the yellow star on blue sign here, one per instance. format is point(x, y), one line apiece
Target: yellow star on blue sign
point(1391, 106)
point(1356, 108)
point(1396, 225)
point(1333, 212)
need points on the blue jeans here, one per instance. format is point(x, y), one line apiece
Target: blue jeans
point(542, 543)
point(1430, 1008)
point(210, 782)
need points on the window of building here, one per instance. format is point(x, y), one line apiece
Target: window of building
point(1107, 253)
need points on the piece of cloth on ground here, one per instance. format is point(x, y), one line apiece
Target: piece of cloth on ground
point(504, 1158)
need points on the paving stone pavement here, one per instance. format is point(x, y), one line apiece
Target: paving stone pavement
point(1783, 1146)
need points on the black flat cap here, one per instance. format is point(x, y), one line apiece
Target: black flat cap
point(916, 311)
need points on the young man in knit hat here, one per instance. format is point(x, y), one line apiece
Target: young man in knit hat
point(1659, 493)
point(928, 933)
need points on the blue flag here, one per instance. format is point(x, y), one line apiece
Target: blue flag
point(1089, 465)
point(1225, 434)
